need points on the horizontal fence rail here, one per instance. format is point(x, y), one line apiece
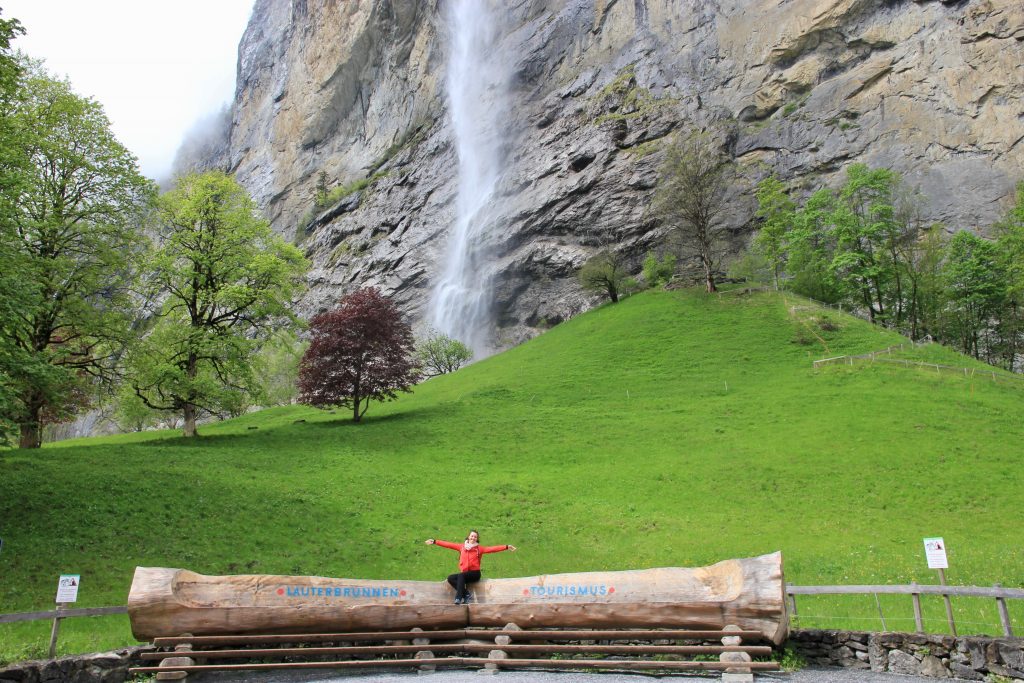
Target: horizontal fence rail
point(956, 591)
point(63, 614)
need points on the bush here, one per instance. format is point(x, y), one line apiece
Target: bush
point(791, 660)
point(659, 273)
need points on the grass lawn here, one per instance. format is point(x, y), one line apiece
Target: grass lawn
point(672, 429)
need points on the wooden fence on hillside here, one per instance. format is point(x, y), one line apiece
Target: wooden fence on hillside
point(876, 356)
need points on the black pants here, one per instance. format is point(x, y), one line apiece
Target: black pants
point(459, 581)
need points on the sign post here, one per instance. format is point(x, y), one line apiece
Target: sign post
point(67, 592)
point(935, 553)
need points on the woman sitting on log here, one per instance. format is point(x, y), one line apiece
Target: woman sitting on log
point(470, 552)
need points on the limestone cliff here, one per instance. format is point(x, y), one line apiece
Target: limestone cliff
point(355, 89)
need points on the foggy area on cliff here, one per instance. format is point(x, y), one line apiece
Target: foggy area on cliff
point(157, 68)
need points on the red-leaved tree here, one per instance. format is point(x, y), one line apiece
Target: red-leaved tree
point(360, 352)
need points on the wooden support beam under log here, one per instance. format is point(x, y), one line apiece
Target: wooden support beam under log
point(436, 636)
point(633, 650)
point(749, 593)
point(467, 661)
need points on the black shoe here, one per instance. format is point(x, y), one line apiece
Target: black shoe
point(458, 601)
point(466, 600)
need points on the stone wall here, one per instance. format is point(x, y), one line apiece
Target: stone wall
point(100, 667)
point(934, 656)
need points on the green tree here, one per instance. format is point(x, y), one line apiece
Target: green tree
point(922, 262)
point(70, 252)
point(1010, 244)
point(975, 291)
point(864, 229)
point(604, 273)
point(659, 272)
point(13, 174)
point(776, 210)
point(226, 281)
point(278, 367)
point(809, 249)
point(439, 354)
point(691, 198)
point(130, 413)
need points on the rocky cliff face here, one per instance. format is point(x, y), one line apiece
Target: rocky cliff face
point(355, 89)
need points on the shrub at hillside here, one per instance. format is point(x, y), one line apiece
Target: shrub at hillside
point(361, 351)
point(439, 354)
point(605, 273)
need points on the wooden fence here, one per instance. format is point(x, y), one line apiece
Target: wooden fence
point(876, 356)
point(997, 592)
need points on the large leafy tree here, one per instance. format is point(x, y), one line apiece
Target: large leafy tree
point(975, 291)
point(71, 236)
point(809, 249)
point(1011, 253)
point(361, 351)
point(225, 281)
point(865, 229)
point(13, 173)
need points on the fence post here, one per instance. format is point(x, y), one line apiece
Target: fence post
point(55, 629)
point(1004, 615)
point(793, 614)
point(949, 605)
point(918, 621)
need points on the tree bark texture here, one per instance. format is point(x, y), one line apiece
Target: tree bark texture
point(749, 593)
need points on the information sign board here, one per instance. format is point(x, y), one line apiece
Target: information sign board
point(67, 588)
point(935, 553)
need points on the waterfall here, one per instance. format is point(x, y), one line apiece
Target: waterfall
point(476, 84)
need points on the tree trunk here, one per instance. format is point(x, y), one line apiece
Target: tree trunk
point(31, 425)
point(189, 413)
point(357, 415)
point(189, 429)
point(31, 434)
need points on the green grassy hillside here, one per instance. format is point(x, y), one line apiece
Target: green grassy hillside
point(672, 429)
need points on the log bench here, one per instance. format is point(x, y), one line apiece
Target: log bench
point(655, 650)
point(596, 620)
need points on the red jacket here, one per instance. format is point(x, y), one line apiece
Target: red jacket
point(469, 560)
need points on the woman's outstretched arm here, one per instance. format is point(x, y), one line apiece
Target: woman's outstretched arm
point(443, 544)
point(496, 548)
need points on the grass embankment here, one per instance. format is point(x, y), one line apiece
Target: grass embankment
point(672, 429)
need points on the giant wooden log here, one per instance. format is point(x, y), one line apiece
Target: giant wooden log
point(749, 593)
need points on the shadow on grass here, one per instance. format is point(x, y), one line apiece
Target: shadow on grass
point(255, 433)
point(369, 420)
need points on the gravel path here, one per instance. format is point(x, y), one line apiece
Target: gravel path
point(803, 676)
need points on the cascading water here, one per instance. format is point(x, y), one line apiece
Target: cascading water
point(476, 85)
